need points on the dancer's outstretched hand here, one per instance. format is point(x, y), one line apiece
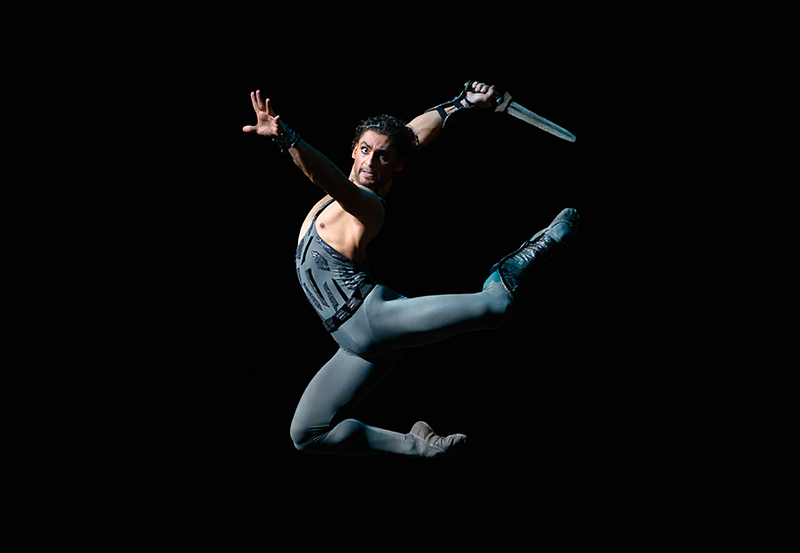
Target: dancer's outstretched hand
point(268, 123)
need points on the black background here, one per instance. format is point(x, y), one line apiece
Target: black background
point(636, 396)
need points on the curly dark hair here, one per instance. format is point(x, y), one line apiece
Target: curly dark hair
point(404, 140)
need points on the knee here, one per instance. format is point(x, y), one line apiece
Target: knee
point(302, 435)
point(498, 308)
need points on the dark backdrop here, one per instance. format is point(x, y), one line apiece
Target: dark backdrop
point(634, 396)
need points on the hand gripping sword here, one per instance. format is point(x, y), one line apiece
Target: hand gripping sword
point(505, 105)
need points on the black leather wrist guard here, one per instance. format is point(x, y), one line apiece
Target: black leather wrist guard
point(287, 139)
point(461, 104)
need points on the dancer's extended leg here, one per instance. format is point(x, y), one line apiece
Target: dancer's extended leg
point(391, 322)
point(396, 323)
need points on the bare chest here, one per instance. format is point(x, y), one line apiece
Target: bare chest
point(338, 228)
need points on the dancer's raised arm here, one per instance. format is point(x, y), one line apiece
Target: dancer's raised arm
point(429, 124)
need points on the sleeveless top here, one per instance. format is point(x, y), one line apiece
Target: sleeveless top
point(333, 283)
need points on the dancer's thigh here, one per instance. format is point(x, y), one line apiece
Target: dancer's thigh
point(337, 388)
point(389, 321)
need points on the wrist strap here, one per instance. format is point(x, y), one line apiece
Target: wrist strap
point(456, 103)
point(286, 139)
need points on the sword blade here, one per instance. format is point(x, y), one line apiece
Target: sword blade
point(524, 114)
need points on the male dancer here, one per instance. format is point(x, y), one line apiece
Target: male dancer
point(371, 323)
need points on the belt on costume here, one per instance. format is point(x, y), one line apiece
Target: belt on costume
point(347, 310)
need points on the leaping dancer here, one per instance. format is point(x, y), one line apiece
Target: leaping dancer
point(372, 324)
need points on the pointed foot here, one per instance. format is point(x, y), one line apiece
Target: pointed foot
point(429, 444)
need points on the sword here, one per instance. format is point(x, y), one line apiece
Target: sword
point(505, 105)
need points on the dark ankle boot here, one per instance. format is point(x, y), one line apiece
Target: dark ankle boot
point(513, 267)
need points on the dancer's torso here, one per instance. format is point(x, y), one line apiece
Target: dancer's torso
point(328, 277)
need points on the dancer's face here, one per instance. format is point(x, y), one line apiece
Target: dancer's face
point(375, 161)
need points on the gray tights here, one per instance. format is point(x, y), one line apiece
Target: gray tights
point(371, 343)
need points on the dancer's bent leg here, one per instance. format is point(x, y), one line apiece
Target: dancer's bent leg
point(335, 390)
